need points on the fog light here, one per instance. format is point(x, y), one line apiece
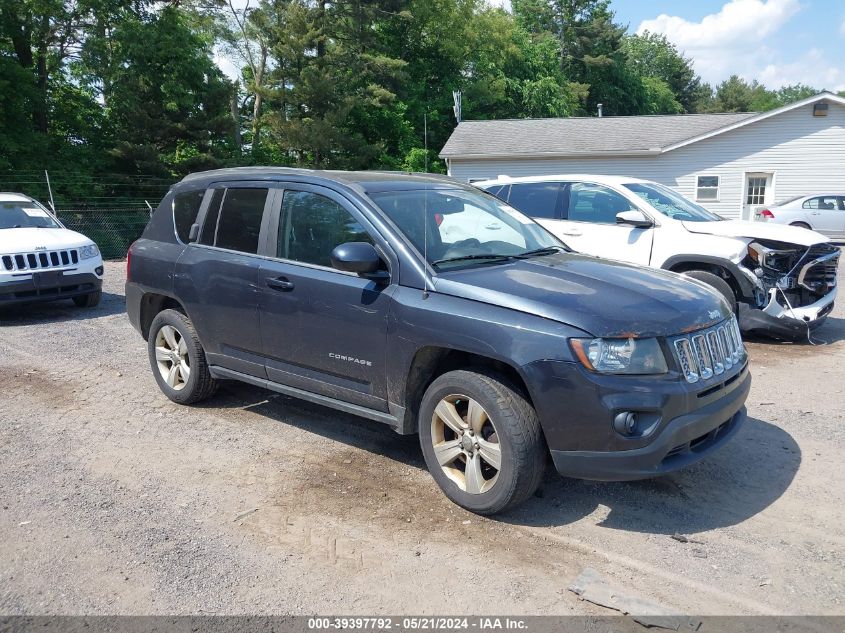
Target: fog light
point(625, 423)
point(99, 270)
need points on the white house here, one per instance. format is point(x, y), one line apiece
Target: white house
point(729, 163)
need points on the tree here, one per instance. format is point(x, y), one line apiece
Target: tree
point(169, 109)
point(651, 55)
point(334, 82)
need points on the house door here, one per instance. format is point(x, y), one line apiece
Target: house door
point(759, 191)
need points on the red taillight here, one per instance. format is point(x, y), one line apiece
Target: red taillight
point(438, 218)
point(129, 260)
point(765, 213)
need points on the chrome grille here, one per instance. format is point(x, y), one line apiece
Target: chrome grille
point(819, 275)
point(41, 260)
point(710, 352)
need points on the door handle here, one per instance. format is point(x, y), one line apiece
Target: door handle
point(493, 227)
point(279, 283)
point(573, 232)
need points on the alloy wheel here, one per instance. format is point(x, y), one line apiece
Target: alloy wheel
point(466, 444)
point(172, 357)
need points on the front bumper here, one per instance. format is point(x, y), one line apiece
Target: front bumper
point(683, 441)
point(784, 322)
point(576, 410)
point(50, 286)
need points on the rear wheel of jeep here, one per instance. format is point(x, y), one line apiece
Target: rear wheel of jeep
point(481, 440)
point(90, 300)
point(717, 283)
point(178, 359)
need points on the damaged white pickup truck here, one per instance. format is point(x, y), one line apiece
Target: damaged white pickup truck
point(781, 280)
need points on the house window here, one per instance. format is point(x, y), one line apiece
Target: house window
point(756, 190)
point(707, 188)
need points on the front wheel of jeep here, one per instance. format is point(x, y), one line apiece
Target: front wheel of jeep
point(178, 359)
point(481, 440)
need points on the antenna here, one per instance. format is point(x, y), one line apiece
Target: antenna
point(150, 207)
point(50, 191)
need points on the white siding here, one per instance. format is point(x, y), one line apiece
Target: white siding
point(805, 153)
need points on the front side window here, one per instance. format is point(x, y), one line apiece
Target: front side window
point(535, 199)
point(671, 204)
point(707, 188)
point(458, 227)
point(233, 220)
point(312, 226)
point(25, 215)
point(186, 206)
point(823, 203)
point(595, 203)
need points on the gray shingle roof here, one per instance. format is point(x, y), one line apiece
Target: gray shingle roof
point(581, 135)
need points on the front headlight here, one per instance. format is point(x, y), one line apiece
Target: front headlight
point(621, 355)
point(89, 251)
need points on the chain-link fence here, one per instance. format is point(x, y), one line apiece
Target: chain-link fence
point(113, 230)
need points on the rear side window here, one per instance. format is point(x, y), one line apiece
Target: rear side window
point(535, 199)
point(233, 220)
point(825, 203)
point(312, 225)
point(185, 208)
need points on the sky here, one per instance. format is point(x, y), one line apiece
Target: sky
point(776, 42)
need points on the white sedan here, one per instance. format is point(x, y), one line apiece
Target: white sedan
point(824, 213)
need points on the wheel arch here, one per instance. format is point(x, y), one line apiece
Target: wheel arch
point(151, 304)
point(432, 361)
point(724, 269)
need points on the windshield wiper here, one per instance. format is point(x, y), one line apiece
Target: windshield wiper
point(491, 256)
point(548, 250)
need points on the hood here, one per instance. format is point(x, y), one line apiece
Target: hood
point(602, 297)
point(27, 240)
point(758, 231)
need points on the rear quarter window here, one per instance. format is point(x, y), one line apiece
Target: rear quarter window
point(186, 206)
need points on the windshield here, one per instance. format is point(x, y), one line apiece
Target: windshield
point(20, 214)
point(672, 204)
point(457, 227)
point(788, 200)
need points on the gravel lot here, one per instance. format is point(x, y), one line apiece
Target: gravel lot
point(116, 501)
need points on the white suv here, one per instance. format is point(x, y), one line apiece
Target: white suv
point(780, 279)
point(41, 260)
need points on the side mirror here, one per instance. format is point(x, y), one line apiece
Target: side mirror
point(360, 258)
point(637, 219)
point(194, 233)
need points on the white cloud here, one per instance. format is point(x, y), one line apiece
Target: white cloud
point(739, 21)
point(811, 69)
point(734, 41)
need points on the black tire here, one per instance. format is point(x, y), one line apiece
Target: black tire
point(802, 225)
point(90, 300)
point(717, 283)
point(518, 434)
point(199, 384)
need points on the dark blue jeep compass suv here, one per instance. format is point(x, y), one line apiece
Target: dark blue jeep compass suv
point(436, 309)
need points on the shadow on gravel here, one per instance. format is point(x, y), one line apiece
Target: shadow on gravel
point(344, 428)
point(740, 480)
point(58, 311)
point(733, 484)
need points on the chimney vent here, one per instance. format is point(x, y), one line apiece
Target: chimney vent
point(600, 113)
